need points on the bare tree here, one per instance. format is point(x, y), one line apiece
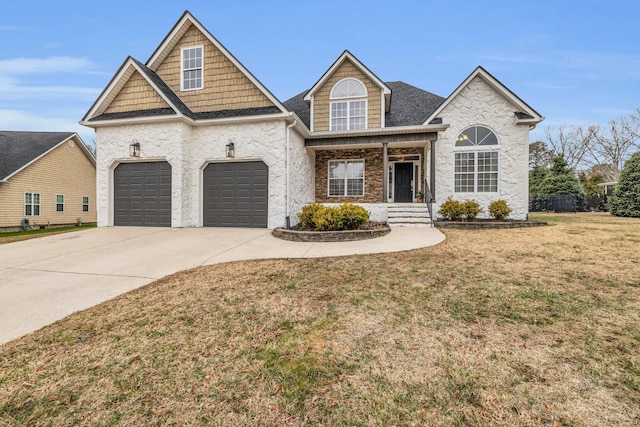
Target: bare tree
point(573, 144)
point(539, 155)
point(615, 144)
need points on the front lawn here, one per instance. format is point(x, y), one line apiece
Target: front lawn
point(532, 326)
point(15, 236)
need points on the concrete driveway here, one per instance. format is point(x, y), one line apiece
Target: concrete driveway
point(43, 280)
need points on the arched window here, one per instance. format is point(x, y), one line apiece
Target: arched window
point(476, 165)
point(350, 109)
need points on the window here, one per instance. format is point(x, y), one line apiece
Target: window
point(59, 203)
point(476, 168)
point(32, 204)
point(350, 113)
point(192, 68)
point(85, 204)
point(346, 177)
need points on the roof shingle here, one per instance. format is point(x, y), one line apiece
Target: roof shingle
point(18, 148)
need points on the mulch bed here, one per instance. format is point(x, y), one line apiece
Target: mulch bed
point(488, 223)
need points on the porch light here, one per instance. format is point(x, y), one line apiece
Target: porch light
point(401, 158)
point(231, 151)
point(134, 149)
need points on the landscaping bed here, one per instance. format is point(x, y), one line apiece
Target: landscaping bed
point(487, 223)
point(370, 230)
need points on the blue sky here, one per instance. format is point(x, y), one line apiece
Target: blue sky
point(575, 62)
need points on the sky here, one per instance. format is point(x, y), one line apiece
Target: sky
point(575, 62)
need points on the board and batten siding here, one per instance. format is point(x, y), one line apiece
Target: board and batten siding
point(225, 86)
point(65, 170)
point(136, 94)
point(321, 99)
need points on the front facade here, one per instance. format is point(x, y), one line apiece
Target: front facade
point(191, 138)
point(47, 179)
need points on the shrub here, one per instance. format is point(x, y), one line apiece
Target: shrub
point(451, 209)
point(306, 215)
point(471, 209)
point(318, 217)
point(327, 219)
point(352, 216)
point(499, 209)
point(625, 200)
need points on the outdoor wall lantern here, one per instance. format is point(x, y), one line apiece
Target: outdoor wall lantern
point(134, 149)
point(231, 151)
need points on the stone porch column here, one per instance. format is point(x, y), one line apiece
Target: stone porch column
point(385, 172)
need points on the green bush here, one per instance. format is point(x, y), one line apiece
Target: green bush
point(625, 200)
point(353, 216)
point(471, 208)
point(306, 215)
point(326, 218)
point(499, 209)
point(451, 209)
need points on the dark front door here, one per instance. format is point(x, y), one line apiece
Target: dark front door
point(402, 191)
point(236, 195)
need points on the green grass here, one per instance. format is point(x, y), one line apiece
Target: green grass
point(14, 236)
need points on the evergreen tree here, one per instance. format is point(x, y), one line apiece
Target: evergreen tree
point(625, 200)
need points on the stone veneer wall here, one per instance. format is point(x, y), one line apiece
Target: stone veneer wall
point(189, 149)
point(373, 172)
point(480, 104)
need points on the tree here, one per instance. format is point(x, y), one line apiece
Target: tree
point(625, 200)
point(612, 146)
point(559, 180)
point(572, 144)
point(594, 195)
point(539, 155)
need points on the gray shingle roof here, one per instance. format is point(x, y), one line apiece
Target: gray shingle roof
point(409, 106)
point(17, 148)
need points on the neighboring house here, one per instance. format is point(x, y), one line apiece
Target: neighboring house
point(47, 178)
point(191, 138)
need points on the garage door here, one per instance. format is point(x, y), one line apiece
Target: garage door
point(236, 195)
point(142, 194)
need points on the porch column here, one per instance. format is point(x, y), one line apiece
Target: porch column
point(385, 173)
point(432, 169)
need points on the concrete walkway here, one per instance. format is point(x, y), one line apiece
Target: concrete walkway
point(46, 279)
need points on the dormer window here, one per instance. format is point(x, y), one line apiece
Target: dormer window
point(191, 68)
point(349, 111)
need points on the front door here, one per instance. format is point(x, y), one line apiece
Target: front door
point(402, 191)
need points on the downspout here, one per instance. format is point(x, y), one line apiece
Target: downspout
point(288, 196)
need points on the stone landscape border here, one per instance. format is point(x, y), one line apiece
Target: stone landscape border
point(329, 236)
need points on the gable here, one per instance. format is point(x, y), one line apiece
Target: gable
point(225, 86)
point(136, 94)
point(480, 103)
point(321, 98)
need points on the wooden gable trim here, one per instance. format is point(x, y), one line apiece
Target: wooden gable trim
point(176, 33)
point(120, 79)
point(346, 55)
point(498, 86)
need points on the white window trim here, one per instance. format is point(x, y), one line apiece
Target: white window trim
point(475, 151)
point(33, 204)
point(83, 204)
point(56, 203)
point(182, 69)
point(349, 100)
point(345, 178)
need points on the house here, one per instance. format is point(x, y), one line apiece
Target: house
point(191, 138)
point(47, 178)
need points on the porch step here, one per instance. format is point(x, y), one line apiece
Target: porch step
point(408, 215)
